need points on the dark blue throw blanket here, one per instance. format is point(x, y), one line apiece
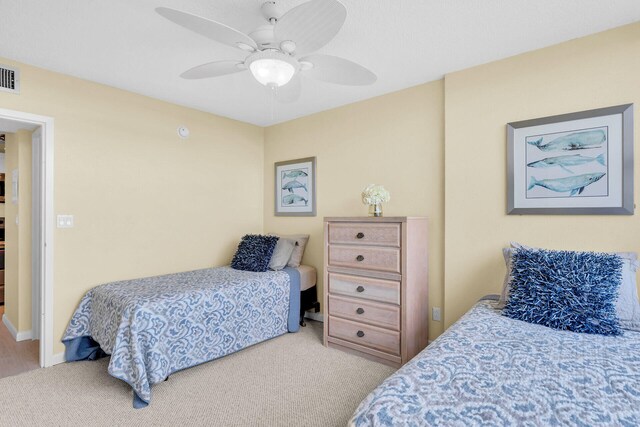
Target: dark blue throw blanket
point(156, 326)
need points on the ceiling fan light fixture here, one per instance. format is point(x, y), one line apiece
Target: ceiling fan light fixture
point(272, 68)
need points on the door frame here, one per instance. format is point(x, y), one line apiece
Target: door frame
point(46, 224)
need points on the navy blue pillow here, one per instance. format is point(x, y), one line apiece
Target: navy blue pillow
point(254, 253)
point(573, 291)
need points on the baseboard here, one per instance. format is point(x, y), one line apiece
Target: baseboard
point(10, 327)
point(58, 359)
point(314, 316)
point(18, 336)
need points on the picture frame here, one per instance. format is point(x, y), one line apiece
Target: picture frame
point(572, 164)
point(295, 187)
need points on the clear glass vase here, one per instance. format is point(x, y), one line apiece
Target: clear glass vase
point(375, 209)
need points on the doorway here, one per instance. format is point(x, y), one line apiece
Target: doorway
point(20, 297)
point(40, 226)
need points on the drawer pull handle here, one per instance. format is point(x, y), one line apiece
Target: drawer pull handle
point(360, 289)
point(360, 258)
point(360, 334)
point(360, 235)
point(360, 310)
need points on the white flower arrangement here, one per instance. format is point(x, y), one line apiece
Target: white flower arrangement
point(374, 194)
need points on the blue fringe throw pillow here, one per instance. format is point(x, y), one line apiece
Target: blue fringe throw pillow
point(572, 291)
point(254, 253)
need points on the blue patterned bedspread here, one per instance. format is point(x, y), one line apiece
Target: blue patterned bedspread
point(155, 326)
point(490, 370)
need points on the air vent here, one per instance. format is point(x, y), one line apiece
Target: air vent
point(9, 79)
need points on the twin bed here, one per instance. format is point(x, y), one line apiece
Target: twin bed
point(155, 326)
point(488, 369)
point(560, 346)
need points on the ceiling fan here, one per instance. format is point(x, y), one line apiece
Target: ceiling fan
point(282, 49)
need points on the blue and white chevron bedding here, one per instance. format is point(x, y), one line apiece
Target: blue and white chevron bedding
point(155, 326)
point(490, 370)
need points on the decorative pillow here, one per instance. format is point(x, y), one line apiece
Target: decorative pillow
point(300, 244)
point(254, 253)
point(281, 254)
point(627, 304)
point(573, 291)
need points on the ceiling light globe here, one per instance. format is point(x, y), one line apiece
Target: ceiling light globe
point(272, 68)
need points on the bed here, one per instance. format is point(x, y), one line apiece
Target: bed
point(488, 369)
point(153, 327)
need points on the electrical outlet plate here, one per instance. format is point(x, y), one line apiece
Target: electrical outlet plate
point(435, 314)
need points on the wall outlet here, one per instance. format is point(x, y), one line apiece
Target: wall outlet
point(65, 221)
point(435, 314)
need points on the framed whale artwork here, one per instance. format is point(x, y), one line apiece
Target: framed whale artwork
point(572, 164)
point(295, 187)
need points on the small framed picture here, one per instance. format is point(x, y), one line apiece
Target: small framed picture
point(572, 164)
point(295, 191)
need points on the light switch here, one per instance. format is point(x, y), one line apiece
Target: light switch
point(435, 314)
point(65, 221)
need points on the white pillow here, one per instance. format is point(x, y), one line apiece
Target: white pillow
point(281, 254)
point(627, 305)
point(300, 244)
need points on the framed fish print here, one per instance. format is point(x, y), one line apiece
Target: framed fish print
point(295, 192)
point(572, 164)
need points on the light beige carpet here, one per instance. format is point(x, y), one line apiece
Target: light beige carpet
point(292, 380)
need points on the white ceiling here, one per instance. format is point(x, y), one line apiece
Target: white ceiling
point(125, 44)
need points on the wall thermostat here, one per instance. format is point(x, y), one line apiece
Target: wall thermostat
point(183, 132)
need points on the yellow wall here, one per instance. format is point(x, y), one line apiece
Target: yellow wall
point(24, 228)
point(395, 140)
point(145, 201)
point(18, 235)
point(597, 71)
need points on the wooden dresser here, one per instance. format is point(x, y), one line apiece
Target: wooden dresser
point(376, 286)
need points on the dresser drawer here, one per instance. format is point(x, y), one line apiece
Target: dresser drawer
point(384, 315)
point(370, 258)
point(364, 287)
point(370, 336)
point(387, 234)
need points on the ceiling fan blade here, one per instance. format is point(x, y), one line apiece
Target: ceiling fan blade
point(291, 91)
point(337, 70)
point(212, 69)
point(208, 28)
point(311, 25)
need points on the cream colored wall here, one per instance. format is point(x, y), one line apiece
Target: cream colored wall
point(395, 140)
point(18, 233)
point(145, 201)
point(24, 228)
point(592, 72)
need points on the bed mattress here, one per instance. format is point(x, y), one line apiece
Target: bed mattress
point(308, 277)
